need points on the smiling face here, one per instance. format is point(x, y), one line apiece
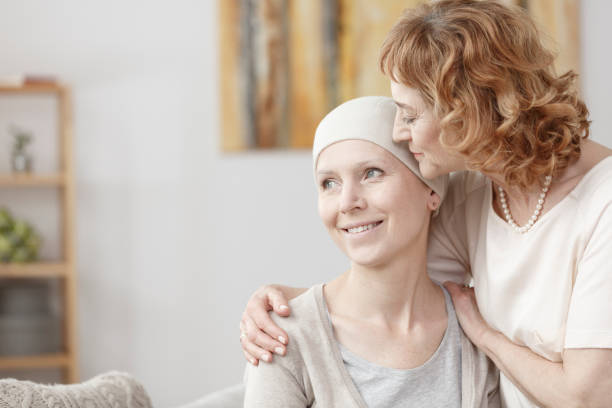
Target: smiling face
point(372, 205)
point(416, 124)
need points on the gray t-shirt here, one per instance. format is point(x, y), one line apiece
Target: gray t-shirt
point(437, 383)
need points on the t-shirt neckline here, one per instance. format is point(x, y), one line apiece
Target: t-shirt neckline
point(542, 219)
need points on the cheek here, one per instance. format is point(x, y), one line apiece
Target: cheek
point(410, 202)
point(430, 136)
point(326, 212)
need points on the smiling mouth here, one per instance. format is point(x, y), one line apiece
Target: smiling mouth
point(362, 228)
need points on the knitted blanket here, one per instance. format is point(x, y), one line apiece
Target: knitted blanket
point(109, 390)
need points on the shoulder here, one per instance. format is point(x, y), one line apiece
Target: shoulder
point(464, 183)
point(594, 171)
point(305, 313)
point(592, 207)
point(594, 192)
point(465, 189)
point(288, 378)
point(462, 205)
point(306, 327)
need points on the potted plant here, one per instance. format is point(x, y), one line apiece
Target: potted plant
point(21, 161)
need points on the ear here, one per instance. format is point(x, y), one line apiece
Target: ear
point(433, 202)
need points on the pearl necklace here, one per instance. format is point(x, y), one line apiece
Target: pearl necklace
point(536, 213)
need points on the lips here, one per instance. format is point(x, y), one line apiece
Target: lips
point(360, 228)
point(414, 153)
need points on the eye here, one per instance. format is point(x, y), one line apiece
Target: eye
point(374, 172)
point(328, 184)
point(408, 120)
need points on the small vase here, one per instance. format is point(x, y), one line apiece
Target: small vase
point(21, 162)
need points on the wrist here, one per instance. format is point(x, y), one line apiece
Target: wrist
point(488, 339)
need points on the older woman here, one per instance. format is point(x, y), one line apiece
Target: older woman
point(531, 222)
point(383, 333)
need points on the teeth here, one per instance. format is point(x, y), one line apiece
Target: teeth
point(361, 228)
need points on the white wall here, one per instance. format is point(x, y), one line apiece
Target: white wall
point(596, 32)
point(172, 234)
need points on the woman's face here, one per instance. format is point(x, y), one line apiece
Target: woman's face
point(372, 205)
point(416, 124)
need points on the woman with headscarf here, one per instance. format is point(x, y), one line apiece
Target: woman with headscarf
point(382, 334)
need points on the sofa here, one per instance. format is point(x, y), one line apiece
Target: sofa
point(230, 397)
point(109, 390)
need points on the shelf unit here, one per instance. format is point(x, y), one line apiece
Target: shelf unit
point(47, 180)
point(64, 270)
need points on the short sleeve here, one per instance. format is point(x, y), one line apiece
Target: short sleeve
point(447, 253)
point(589, 322)
point(273, 385)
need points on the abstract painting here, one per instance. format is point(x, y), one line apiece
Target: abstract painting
point(285, 63)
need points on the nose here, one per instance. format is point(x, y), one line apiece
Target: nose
point(352, 198)
point(400, 131)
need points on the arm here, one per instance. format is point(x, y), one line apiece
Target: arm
point(583, 379)
point(447, 250)
point(260, 336)
point(273, 385)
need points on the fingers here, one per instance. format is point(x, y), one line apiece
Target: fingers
point(250, 358)
point(453, 289)
point(259, 316)
point(451, 286)
point(253, 359)
point(266, 334)
point(253, 353)
point(258, 343)
point(269, 335)
point(279, 303)
point(260, 336)
point(457, 291)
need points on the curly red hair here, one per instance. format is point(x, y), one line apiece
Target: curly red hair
point(482, 67)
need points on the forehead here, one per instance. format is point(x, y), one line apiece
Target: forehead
point(350, 153)
point(406, 97)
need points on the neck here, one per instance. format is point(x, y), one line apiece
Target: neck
point(523, 219)
point(513, 193)
point(398, 293)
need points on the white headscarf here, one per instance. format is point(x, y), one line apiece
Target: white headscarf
point(369, 118)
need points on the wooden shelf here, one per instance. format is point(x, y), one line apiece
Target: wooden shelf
point(32, 88)
point(63, 179)
point(32, 180)
point(41, 361)
point(33, 270)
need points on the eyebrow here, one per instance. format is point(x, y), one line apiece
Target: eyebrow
point(403, 106)
point(365, 163)
point(324, 172)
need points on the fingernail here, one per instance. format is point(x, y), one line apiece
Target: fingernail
point(279, 350)
point(282, 339)
point(253, 361)
point(265, 357)
point(283, 307)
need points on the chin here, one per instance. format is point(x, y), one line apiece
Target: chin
point(367, 260)
point(430, 172)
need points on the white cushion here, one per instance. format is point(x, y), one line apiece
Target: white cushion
point(109, 390)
